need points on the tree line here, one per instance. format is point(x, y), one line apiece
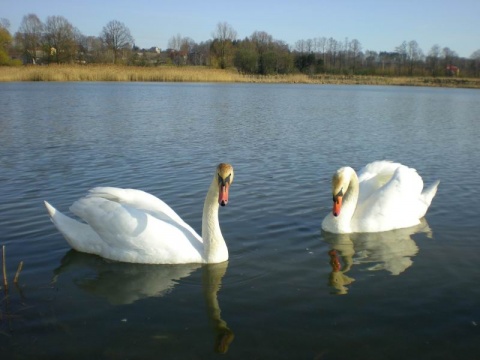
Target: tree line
point(57, 41)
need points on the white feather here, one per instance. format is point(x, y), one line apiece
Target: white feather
point(389, 197)
point(134, 226)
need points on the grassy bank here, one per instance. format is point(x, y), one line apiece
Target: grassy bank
point(204, 74)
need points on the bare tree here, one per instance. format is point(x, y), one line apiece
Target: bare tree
point(175, 42)
point(300, 46)
point(225, 32)
point(274, 57)
point(222, 45)
point(59, 39)
point(448, 55)
point(95, 51)
point(29, 37)
point(310, 45)
point(355, 50)
point(371, 60)
point(180, 43)
point(262, 40)
point(320, 46)
point(116, 37)
point(401, 51)
point(201, 53)
point(4, 24)
point(433, 60)
point(475, 61)
point(414, 55)
point(180, 48)
point(332, 49)
point(475, 55)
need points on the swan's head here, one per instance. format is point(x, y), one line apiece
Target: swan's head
point(340, 183)
point(224, 176)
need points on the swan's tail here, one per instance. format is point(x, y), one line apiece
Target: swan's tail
point(426, 198)
point(61, 221)
point(77, 234)
point(429, 193)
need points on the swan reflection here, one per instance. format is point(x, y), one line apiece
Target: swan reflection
point(391, 251)
point(125, 283)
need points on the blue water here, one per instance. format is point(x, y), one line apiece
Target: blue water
point(404, 294)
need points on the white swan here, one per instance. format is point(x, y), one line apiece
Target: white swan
point(133, 226)
point(384, 196)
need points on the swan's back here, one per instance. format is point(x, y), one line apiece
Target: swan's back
point(129, 225)
point(375, 175)
point(390, 197)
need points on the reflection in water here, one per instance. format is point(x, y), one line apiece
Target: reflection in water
point(125, 283)
point(338, 278)
point(122, 283)
point(391, 251)
point(211, 281)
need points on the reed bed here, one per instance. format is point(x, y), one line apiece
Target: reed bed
point(117, 73)
point(206, 74)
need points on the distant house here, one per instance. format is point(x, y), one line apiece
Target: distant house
point(452, 70)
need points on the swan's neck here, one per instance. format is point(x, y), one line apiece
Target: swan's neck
point(350, 199)
point(215, 249)
point(342, 224)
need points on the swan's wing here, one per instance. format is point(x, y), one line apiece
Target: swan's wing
point(133, 235)
point(373, 176)
point(142, 200)
point(394, 205)
point(138, 199)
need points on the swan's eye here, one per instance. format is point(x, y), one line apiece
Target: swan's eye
point(225, 181)
point(335, 197)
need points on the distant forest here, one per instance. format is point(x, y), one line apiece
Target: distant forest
point(57, 41)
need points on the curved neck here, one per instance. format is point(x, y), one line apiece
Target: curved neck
point(342, 223)
point(350, 199)
point(215, 249)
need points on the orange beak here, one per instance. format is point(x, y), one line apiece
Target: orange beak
point(336, 265)
point(223, 194)
point(337, 204)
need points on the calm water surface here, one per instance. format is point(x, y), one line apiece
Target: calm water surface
point(410, 293)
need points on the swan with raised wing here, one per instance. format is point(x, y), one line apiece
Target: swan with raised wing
point(383, 196)
point(133, 226)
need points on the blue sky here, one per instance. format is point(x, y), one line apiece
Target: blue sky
point(378, 25)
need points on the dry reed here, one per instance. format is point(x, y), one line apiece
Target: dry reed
point(206, 74)
point(4, 270)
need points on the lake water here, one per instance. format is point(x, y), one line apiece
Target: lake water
point(410, 294)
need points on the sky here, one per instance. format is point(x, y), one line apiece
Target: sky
point(378, 25)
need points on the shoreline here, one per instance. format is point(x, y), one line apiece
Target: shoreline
point(92, 73)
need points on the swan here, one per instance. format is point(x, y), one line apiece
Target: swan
point(383, 196)
point(130, 225)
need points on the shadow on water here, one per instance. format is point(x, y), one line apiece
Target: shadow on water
point(124, 284)
point(391, 251)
